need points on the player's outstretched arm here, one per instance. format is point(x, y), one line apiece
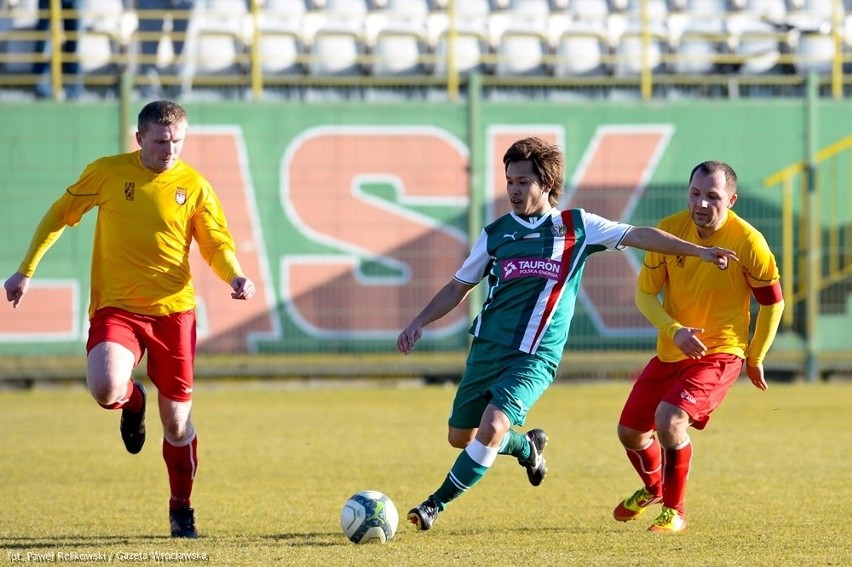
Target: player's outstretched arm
point(243, 288)
point(656, 240)
point(444, 301)
point(16, 287)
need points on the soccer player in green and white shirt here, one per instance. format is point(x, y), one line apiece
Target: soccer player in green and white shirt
point(533, 260)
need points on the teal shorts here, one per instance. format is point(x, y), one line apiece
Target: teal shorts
point(503, 376)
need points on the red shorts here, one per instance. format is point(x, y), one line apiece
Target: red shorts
point(169, 340)
point(695, 386)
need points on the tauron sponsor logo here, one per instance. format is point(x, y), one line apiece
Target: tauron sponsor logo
point(530, 267)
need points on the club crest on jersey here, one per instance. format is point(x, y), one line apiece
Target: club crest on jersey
point(180, 196)
point(129, 190)
point(558, 230)
point(530, 267)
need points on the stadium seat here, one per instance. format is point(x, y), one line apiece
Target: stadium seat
point(281, 52)
point(528, 8)
point(284, 8)
point(217, 53)
point(812, 15)
point(109, 17)
point(581, 51)
point(281, 41)
point(770, 10)
point(589, 10)
point(708, 8)
point(698, 47)
point(406, 9)
point(515, 14)
point(470, 9)
point(814, 52)
point(97, 53)
point(217, 42)
point(657, 9)
point(757, 44)
point(16, 40)
point(336, 51)
point(522, 53)
point(471, 52)
point(398, 52)
point(343, 8)
point(630, 55)
point(106, 31)
point(846, 31)
point(472, 17)
point(334, 14)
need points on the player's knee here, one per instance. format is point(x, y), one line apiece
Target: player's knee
point(631, 438)
point(177, 432)
point(106, 393)
point(670, 419)
point(460, 438)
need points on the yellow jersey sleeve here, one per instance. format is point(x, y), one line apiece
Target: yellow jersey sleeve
point(210, 230)
point(698, 294)
point(68, 210)
point(144, 231)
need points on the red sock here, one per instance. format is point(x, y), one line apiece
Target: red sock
point(648, 463)
point(181, 463)
point(132, 399)
point(676, 464)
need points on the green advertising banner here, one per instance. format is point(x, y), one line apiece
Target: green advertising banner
point(349, 217)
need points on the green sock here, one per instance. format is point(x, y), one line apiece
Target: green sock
point(515, 444)
point(465, 473)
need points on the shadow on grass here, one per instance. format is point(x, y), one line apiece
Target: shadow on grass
point(25, 542)
point(316, 539)
point(327, 539)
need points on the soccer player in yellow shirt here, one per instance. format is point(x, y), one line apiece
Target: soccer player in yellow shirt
point(703, 325)
point(151, 205)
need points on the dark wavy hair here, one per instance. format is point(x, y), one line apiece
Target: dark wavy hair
point(548, 163)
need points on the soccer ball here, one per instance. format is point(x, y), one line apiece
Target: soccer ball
point(369, 517)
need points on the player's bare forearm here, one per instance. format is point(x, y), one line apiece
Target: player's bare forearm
point(444, 301)
point(656, 240)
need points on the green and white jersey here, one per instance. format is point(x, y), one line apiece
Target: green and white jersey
point(534, 268)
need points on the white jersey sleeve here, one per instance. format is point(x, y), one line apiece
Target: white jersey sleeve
point(476, 266)
point(603, 231)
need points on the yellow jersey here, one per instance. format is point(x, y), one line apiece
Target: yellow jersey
point(698, 294)
point(146, 223)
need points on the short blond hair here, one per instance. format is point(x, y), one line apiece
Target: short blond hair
point(163, 112)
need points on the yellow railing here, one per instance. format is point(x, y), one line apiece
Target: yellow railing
point(832, 175)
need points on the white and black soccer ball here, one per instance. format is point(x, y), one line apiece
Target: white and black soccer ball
point(369, 517)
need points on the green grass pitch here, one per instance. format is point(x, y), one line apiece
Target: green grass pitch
point(770, 484)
